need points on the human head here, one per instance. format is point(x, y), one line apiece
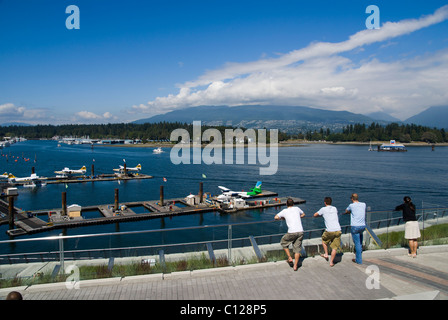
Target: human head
point(289, 202)
point(354, 197)
point(328, 201)
point(407, 199)
point(14, 295)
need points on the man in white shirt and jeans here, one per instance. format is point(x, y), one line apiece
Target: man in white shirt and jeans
point(332, 235)
point(294, 236)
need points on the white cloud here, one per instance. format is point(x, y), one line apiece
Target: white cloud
point(9, 109)
point(318, 76)
point(9, 112)
point(87, 115)
point(90, 116)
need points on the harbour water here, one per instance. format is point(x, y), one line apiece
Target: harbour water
point(310, 172)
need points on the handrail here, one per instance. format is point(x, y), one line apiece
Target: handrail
point(184, 228)
point(62, 237)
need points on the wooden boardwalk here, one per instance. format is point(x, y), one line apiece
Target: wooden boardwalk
point(29, 222)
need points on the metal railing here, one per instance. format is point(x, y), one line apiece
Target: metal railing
point(219, 237)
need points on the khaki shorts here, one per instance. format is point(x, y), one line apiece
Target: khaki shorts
point(333, 239)
point(294, 238)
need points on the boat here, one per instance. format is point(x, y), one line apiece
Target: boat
point(392, 146)
point(157, 150)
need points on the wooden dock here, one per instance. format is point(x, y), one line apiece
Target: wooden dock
point(82, 179)
point(28, 222)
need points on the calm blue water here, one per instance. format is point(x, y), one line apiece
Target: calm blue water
point(310, 172)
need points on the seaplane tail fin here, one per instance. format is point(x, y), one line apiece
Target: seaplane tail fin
point(83, 168)
point(256, 190)
point(223, 188)
point(139, 166)
point(257, 187)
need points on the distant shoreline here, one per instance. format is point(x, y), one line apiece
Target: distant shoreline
point(288, 143)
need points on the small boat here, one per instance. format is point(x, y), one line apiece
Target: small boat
point(392, 147)
point(157, 150)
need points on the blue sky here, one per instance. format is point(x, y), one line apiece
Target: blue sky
point(134, 59)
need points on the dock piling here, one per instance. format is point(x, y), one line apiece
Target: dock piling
point(116, 199)
point(201, 192)
point(64, 203)
point(161, 196)
point(11, 212)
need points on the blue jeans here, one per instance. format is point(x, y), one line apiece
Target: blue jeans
point(357, 239)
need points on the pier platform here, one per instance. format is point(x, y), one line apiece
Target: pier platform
point(29, 222)
point(82, 179)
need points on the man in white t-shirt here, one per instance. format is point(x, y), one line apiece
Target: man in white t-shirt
point(294, 236)
point(332, 235)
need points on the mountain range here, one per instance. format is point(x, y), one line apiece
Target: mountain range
point(291, 118)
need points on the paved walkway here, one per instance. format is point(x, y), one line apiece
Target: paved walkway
point(425, 277)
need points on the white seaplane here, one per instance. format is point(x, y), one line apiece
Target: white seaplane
point(67, 172)
point(32, 181)
point(121, 168)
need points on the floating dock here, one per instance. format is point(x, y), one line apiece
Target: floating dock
point(28, 222)
point(81, 179)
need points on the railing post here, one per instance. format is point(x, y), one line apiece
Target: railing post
point(368, 218)
point(61, 253)
point(229, 237)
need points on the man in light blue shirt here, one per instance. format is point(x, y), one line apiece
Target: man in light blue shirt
point(357, 212)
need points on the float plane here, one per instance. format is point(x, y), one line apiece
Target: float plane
point(67, 172)
point(121, 169)
point(32, 181)
point(227, 193)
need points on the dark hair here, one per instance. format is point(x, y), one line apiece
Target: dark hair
point(328, 200)
point(408, 201)
point(289, 202)
point(14, 295)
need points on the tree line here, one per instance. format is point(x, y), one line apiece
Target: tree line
point(145, 132)
point(375, 132)
point(161, 132)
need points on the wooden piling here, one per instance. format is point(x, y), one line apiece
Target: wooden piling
point(161, 196)
point(116, 199)
point(64, 203)
point(11, 212)
point(201, 192)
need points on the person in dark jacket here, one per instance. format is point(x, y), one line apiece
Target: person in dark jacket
point(412, 230)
